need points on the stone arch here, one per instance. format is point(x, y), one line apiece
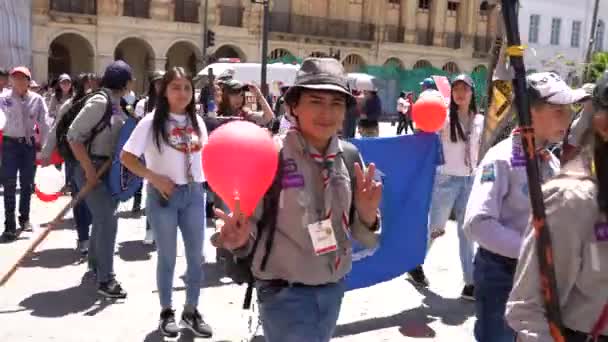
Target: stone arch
point(394, 61)
point(353, 63)
point(139, 54)
point(421, 64)
point(70, 53)
point(230, 51)
point(280, 53)
point(451, 68)
point(186, 54)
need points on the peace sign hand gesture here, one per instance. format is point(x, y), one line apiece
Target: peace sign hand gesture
point(236, 230)
point(368, 193)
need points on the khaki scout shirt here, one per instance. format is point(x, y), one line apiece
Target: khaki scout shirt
point(579, 254)
point(292, 257)
point(91, 114)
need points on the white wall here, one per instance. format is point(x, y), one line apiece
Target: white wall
point(15, 33)
point(568, 11)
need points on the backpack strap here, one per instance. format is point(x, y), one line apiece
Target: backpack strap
point(350, 155)
point(268, 222)
point(105, 119)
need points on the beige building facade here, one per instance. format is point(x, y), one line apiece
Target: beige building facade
point(84, 36)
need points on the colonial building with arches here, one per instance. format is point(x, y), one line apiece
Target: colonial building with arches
point(86, 35)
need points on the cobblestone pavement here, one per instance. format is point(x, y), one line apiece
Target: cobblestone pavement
point(48, 299)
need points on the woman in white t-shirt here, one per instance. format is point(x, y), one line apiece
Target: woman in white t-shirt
point(171, 140)
point(460, 139)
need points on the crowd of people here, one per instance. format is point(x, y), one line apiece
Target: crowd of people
point(297, 246)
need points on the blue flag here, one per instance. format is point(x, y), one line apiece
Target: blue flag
point(407, 165)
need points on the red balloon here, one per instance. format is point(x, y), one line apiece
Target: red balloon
point(240, 160)
point(429, 113)
point(46, 197)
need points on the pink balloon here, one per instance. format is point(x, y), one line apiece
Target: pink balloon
point(240, 160)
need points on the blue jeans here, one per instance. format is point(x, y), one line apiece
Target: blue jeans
point(17, 158)
point(186, 210)
point(299, 314)
point(105, 224)
point(82, 214)
point(493, 282)
point(452, 192)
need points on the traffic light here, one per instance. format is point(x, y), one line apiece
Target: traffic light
point(210, 38)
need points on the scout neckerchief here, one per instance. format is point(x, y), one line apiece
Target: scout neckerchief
point(181, 138)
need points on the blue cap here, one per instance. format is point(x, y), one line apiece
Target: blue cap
point(428, 83)
point(117, 75)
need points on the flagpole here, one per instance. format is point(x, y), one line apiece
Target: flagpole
point(543, 238)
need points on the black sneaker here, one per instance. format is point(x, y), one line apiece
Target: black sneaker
point(194, 321)
point(167, 325)
point(468, 292)
point(9, 235)
point(417, 276)
point(112, 289)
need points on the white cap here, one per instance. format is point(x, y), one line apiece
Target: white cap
point(554, 90)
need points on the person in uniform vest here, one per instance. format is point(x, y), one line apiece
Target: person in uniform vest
point(576, 204)
point(301, 288)
point(92, 152)
point(498, 210)
point(24, 110)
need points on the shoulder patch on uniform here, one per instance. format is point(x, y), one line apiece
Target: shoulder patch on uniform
point(488, 173)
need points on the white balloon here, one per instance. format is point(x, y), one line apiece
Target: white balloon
point(49, 180)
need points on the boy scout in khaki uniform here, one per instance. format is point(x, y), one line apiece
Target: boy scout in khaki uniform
point(498, 210)
point(577, 209)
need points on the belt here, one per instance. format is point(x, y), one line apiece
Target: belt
point(577, 336)
point(502, 259)
point(285, 283)
point(20, 140)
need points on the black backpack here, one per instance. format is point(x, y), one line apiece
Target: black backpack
point(63, 146)
point(239, 269)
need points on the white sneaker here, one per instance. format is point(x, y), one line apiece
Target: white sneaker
point(149, 238)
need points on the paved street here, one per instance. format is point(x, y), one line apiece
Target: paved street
point(48, 300)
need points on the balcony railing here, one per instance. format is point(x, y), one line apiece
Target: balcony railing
point(424, 37)
point(88, 7)
point(231, 16)
point(321, 27)
point(394, 34)
point(453, 40)
point(186, 11)
point(482, 44)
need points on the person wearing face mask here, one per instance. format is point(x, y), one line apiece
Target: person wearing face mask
point(91, 151)
point(171, 139)
point(460, 139)
point(300, 279)
point(24, 110)
point(498, 210)
point(576, 204)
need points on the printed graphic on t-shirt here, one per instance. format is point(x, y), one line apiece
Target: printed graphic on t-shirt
point(185, 139)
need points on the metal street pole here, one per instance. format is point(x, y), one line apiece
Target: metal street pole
point(205, 30)
point(592, 37)
point(265, 30)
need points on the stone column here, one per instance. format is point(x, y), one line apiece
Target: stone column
point(438, 14)
point(408, 19)
point(469, 23)
point(40, 67)
point(159, 63)
point(103, 60)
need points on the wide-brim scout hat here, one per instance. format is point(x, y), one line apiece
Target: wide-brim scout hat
point(324, 74)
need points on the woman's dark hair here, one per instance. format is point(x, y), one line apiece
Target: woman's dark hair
point(78, 86)
point(224, 108)
point(600, 158)
point(455, 127)
point(161, 112)
point(152, 97)
point(59, 93)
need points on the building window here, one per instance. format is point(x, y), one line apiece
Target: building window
point(394, 2)
point(424, 5)
point(534, 24)
point(452, 8)
point(186, 11)
point(556, 25)
point(575, 40)
point(75, 6)
point(484, 8)
point(136, 8)
point(599, 35)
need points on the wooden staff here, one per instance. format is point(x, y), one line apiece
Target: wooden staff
point(81, 195)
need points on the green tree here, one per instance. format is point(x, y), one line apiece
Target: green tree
point(598, 66)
